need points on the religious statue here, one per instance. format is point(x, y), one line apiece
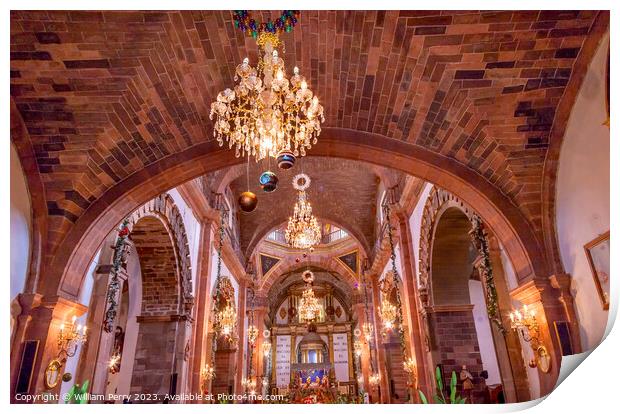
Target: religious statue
point(467, 382)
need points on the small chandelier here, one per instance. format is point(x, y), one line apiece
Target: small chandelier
point(207, 372)
point(388, 314)
point(374, 379)
point(114, 365)
point(303, 230)
point(357, 346)
point(309, 307)
point(409, 365)
point(265, 112)
point(227, 319)
point(266, 348)
point(252, 334)
point(368, 330)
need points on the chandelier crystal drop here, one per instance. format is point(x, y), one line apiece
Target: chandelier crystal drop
point(266, 112)
point(227, 319)
point(303, 230)
point(309, 308)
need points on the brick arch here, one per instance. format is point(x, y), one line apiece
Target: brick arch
point(68, 266)
point(438, 201)
point(289, 265)
point(158, 231)
point(255, 244)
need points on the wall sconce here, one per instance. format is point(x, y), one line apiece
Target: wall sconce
point(266, 349)
point(70, 337)
point(357, 346)
point(524, 322)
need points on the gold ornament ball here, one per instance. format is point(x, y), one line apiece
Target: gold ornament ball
point(248, 201)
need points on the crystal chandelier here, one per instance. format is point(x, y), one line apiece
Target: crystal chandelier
point(368, 330)
point(207, 372)
point(252, 334)
point(266, 348)
point(357, 346)
point(309, 308)
point(388, 314)
point(265, 112)
point(374, 379)
point(303, 230)
point(227, 319)
point(409, 365)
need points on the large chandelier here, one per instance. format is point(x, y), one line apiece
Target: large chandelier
point(266, 113)
point(227, 319)
point(303, 230)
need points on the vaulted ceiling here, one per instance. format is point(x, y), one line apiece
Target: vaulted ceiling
point(104, 94)
point(343, 192)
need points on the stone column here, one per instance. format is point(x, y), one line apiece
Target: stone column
point(360, 312)
point(201, 342)
point(381, 358)
point(42, 317)
point(541, 297)
point(350, 352)
point(415, 333)
point(507, 345)
point(242, 341)
point(96, 352)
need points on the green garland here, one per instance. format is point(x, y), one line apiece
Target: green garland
point(399, 306)
point(482, 244)
point(115, 285)
point(217, 297)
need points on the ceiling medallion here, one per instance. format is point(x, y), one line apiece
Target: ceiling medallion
point(303, 230)
point(267, 114)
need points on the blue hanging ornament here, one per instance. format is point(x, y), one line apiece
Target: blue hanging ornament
point(268, 181)
point(286, 159)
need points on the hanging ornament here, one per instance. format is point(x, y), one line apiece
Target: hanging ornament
point(286, 159)
point(248, 201)
point(268, 181)
point(303, 230)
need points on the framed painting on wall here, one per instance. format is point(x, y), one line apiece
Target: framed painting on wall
point(597, 252)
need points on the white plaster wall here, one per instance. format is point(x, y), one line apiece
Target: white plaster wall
point(134, 279)
point(582, 197)
point(483, 331)
point(415, 221)
point(192, 229)
point(21, 221)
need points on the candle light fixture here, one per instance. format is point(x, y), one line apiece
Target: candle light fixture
point(69, 337)
point(525, 324)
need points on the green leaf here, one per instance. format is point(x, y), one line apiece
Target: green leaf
point(423, 397)
point(439, 380)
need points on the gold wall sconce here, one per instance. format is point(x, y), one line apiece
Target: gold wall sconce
point(525, 324)
point(69, 337)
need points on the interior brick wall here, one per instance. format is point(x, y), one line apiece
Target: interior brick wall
point(160, 285)
point(457, 345)
point(153, 365)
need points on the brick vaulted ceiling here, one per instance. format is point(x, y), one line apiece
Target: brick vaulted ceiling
point(103, 94)
point(343, 192)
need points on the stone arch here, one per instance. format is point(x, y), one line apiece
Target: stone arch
point(438, 201)
point(67, 268)
point(158, 235)
point(160, 215)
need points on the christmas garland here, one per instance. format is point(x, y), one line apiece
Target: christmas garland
point(486, 271)
point(114, 286)
point(399, 305)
